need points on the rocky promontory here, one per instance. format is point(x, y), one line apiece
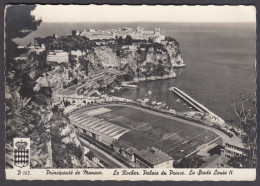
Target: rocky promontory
point(139, 59)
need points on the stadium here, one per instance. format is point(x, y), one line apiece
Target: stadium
point(142, 137)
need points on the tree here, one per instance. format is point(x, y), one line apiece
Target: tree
point(128, 40)
point(16, 108)
point(84, 62)
point(24, 119)
point(245, 110)
point(239, 162)
point(27, 86)
point(150, 40)
point(63, 154)
point(19, 23)
point(138, 71)
point(120, 40)
point(90, 155)
point(118, 52)
point(72, 60)
point(42, 134)
point(27, 117)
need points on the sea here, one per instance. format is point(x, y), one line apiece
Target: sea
point(220, 59)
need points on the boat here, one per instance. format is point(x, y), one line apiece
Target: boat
point(172, 111)
point(178, 100)
point(149, 92)
point(146, 100)
point(153, 103)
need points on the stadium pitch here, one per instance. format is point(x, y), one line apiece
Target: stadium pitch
point(150, 129)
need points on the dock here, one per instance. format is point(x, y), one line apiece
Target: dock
point(189, 100)
point(196, 105)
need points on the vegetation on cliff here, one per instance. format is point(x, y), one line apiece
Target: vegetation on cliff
point(245, 110)
point(67, 43)
point(30, 113)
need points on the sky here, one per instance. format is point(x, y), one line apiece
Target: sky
point(144, 13)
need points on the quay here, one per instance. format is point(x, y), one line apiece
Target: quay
point(196, 105)
point(189, 100)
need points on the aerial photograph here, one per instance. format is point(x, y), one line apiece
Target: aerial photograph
point(105, 86)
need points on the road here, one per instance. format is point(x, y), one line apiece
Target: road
point(101, 155)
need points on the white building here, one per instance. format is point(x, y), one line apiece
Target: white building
point(37, 49)
point(232, 150)
point(58, 56)
point(138, 33)
point(158, 39)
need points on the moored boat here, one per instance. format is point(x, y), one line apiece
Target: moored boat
point(153, 103)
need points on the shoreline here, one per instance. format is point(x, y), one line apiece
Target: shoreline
point(179, 66)
point(132, 84)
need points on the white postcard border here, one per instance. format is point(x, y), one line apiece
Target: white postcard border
point(214, 174)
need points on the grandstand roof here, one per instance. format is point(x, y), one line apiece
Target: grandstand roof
point(83, 119)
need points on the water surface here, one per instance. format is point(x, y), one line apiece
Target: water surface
point(220, 60)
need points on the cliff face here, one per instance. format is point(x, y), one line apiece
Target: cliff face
point(65, 148)
point(148, 59)
point(59, 77)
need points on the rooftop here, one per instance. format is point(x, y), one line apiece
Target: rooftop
point(154, 156)
point(236, 141)
point(58, 56)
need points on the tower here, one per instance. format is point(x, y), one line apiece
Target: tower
point(35, 42)
point(139, 29)
point(157, 31)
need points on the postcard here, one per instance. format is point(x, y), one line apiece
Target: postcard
point(119, 92)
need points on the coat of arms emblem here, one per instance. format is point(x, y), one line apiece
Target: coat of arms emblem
point(21, 152)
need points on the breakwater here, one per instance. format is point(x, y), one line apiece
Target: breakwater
point(201, 108)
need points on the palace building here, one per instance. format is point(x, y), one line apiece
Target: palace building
point(138, 33)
